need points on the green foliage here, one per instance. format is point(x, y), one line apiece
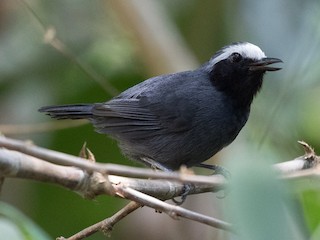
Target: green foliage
point(260, 205)
point(311, 204)
point(14, 225)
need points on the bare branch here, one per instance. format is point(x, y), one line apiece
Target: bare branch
point(16, 164)
point(19, 165)
point(106, 225)
point(284, 168)
point(173, 211)
point(112, 169)
point(308, 163)
point(25, 160)
point(51, 38)
point(18, 129)
point(89, 185)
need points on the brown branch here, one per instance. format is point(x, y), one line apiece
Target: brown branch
point(16, 164)
point(105, 225)
point(308, 163)
point(89, 185)
point(25, 160)
point(112, 169)
point(19, 165)
point(172, 210)
point(285, 168)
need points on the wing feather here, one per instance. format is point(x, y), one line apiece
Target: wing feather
point(158, 106)
point(126, 119)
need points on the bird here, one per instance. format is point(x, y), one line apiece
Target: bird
point(184, 118)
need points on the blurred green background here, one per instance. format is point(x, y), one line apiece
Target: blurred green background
point(125, 42)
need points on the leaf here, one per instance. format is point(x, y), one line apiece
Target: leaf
point(261, 208)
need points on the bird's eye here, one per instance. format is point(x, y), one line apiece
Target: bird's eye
point(235, 57)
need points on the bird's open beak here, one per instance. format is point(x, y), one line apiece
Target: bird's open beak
point(263, 65)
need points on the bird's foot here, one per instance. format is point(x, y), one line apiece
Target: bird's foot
point(216, 169)
point(158, 166)
point(185, 192)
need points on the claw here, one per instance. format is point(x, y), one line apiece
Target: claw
point(217, 169)
point(185, 192)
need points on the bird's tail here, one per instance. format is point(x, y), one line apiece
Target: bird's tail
point(76, 111)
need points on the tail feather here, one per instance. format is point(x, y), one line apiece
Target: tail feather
point(75, 111)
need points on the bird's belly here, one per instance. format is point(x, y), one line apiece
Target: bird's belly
point(184, 148)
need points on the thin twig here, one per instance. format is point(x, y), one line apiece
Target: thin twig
point(173, 210)
point(18, 129)
point(106, 225)
point(50, 37)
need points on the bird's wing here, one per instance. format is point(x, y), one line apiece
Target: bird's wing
point(125, 118)
point(137, 118)
point(160, 105)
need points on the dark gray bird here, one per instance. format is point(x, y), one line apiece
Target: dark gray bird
point(181, 118)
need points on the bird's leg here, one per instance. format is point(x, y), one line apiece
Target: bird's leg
point(154, 165)
point(216, 168)
point(187, 186)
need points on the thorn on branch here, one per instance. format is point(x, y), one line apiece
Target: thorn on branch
point(86, 153)
point(312, 160)
point(82, 152)
point(307, 148)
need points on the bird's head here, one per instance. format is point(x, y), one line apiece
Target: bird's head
point(238, 70)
